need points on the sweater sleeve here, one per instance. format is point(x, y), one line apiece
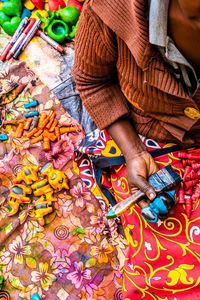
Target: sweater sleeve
point(95, 71)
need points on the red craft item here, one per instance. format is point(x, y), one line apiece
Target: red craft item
point(181, 199)
point(54, 4)
point(195, 166)
point(188, 162)
point(196, 193)
point(189, 192)
point(182, 154)
point(188, 169)
point(75, 3)
point(188, 206)
point(189, 184)
point(38, 3)
point(192, 175)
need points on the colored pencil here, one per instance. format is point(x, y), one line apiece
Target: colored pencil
point(49, 40)
point(20, 38)
point(27, 39)
point(14, 38)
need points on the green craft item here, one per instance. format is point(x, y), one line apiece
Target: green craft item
point(72, 32)
point(69, 14)
point(58, 30)
point(46, 21)
point(3, 18)
point(12, 8)
point(11, 26)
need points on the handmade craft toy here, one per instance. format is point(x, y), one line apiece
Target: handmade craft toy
point(61, 24)
point(38, 185)
point(42, 208)
point(17, 196)
point(10, 16)
point(57, 178)
point(27, 174)
point(159, 207)
point(41, 187)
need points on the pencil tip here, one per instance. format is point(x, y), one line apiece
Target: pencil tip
point(111, 214)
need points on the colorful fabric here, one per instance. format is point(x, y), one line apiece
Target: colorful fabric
point(77, 254)
point(162, 260)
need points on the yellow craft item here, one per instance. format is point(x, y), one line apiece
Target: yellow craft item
point(1, 5)
point(43, 13)
point(29, 5)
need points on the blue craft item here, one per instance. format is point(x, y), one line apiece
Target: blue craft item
point(32, 114)
point(31, 104)
point(3, 137)
point(25, 13)
point(0, 122)
point(158, 206)
point(35, 296)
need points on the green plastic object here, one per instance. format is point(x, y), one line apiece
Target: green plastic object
point(72, 32)
point(11, 26)
point(58, 30)
point(69, 14)
point(3, 18)
point(12, 8)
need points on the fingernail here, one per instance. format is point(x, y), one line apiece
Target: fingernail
point(151, 196)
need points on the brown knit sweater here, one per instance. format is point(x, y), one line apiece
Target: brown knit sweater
point(118, 72)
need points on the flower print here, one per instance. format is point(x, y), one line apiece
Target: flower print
point(19, 250)
point(61, 263)
point(81, 193)
point(60, 153)
point(102, 252)
point(93, 235)
point(63, 205)
point(11, 113)
point(5, 257)
point(46, 279)
point(20, 101)
point(99, 219)
point(90, 292)
point(79, 274)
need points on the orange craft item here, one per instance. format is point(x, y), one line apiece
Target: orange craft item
point(37, 139)
point(28, 123)
point(67, 129)
point(49, 135)
point(32, 132)
point(57, 132)
point(20, 129)
point(46, 144)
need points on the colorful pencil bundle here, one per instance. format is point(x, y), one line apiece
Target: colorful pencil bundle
point(23, 35)
point(189, 192)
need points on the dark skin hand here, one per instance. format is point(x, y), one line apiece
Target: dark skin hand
point(139, 163)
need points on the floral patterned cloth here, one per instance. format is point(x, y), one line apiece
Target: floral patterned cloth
point(78, 254)
point(162, 260)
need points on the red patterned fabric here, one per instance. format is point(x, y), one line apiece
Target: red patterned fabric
point(163, 259)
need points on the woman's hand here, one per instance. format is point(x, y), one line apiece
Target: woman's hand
point(138, 169)
point(139, 163)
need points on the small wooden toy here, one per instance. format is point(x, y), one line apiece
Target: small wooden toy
point(57, 178)
point(18, 196)
point(28, 174)
point(41, 187)
point(43, 207)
